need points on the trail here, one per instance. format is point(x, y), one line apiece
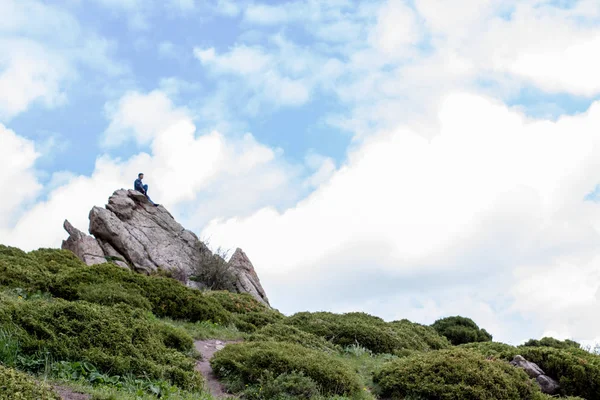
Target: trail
point(208, 348)
point(68, 394)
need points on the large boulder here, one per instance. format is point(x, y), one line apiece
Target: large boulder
point(132, 232)
point(547, 384)
point(85, 247)
point(246, 277)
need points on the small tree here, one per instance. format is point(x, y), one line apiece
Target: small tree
point(213, 271)
point(461, 330)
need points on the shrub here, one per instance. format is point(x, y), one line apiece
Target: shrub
point(418, 337)
point(460, 330)
point(249, 362)
point(348, 329)
point(492, 349)
point(290, 334)
point(368, 331)
point(251, 321)
point(20, 270)
point(551, 342)
point(286, 386)
point(118, 339)
point(577, 371)
point(18, 386)
point(240, 303)
point(110, 293)
point(454, 375)
point(214, 272)
point(167, 297)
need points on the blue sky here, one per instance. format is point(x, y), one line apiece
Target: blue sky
point(412, 159)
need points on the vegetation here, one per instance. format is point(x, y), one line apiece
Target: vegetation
point(551, 342)
point(119, 335)
point(577, 371)
point(290, 334)
point(213, 272)
point(15, 385)
point(368, 331)
point(461, 330)
point(454, 374)
point(249, 363)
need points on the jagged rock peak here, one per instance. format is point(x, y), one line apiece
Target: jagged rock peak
point(133, 233)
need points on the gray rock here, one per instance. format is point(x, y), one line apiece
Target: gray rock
point(247, 278)
point(147, 236)
point(546, 383)
point(84, 246)
point(132, 232)
point(532, 369)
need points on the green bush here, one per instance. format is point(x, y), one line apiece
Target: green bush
point(110, 293)
point(492, 349)
point(166, 297)
point(251, 321)
point(118, 339)
point(415, 336)
point(250, 362)
point(285, 386)
point(213, 272)
point(367, 331)
point(290, 334)
point(577, 371)
point(455, 374)
point(240, 303)
point(20, 270)
point(16, 385)
point(461, 330)
point(551, 342)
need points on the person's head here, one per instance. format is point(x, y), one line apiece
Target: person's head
point(141, 176)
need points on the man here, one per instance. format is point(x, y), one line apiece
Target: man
point(140, 187)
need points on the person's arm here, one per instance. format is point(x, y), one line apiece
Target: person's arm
point(139, 187)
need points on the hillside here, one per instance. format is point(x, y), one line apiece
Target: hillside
point(111, 330)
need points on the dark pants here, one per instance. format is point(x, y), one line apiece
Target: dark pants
point(148, 197)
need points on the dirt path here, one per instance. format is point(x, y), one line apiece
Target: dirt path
point(208, 348)
point(68, 394)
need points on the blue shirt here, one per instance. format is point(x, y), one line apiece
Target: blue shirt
point(139, 186)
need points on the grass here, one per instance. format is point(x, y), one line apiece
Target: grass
point(105, 392)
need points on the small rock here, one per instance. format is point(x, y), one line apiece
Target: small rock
point(532, 369)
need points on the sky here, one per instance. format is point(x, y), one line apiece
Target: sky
point(406, 158)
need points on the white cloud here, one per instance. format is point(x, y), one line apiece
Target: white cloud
point(487, 196)
point(42, 50)
point(29, 73)
point(17, 177)
point(197, 176)
point(396, 29)
point(141, 117)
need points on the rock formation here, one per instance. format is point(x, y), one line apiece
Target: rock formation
point(133, 233)
point(548, 385)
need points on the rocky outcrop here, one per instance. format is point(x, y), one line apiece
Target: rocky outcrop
point(246, 278)
point(85, 247)
point(133, 233)
point(548, 385)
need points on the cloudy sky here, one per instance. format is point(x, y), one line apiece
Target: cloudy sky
point(408, 158)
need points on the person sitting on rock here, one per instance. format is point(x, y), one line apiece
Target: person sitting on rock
point(139, 186)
